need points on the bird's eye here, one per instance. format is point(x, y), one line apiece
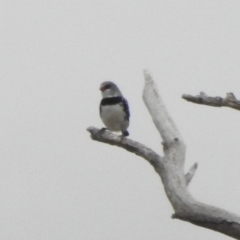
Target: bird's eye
point(107, 86)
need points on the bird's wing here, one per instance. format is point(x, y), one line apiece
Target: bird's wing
point(124, 104)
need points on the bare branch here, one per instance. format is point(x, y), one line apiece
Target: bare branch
point(158, 111)
point(186, 208)
point(170, 167)
point(132, 146)
point(229, 101)
point(191, 173)
point(172, 140)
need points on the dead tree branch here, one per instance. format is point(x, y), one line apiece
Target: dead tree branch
point(170, 167)
point(229, 101)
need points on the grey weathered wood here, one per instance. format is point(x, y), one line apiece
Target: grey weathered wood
point(170, 167)
point(229, 101)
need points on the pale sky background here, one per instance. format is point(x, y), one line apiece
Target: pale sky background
point(55, 182)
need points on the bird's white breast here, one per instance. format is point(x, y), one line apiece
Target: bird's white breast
point(113, 117)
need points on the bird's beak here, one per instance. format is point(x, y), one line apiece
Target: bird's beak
point(101, 88)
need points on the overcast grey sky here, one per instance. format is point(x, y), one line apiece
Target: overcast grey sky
point(55, 182)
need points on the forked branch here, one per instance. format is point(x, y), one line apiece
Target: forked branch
point(170, 167)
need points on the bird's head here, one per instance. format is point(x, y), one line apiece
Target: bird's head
point(109, 89)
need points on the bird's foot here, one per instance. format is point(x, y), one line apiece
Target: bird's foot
point(125, 133)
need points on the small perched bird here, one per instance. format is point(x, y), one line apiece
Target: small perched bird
point(114, 110)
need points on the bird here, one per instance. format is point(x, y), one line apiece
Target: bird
point(114, 109)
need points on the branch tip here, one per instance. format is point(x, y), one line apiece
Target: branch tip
point(191, 173)
point(202, 94)
point(230, 96)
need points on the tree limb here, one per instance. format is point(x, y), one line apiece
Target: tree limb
point(132, 146)
point(170, 167)
point(229, 101)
